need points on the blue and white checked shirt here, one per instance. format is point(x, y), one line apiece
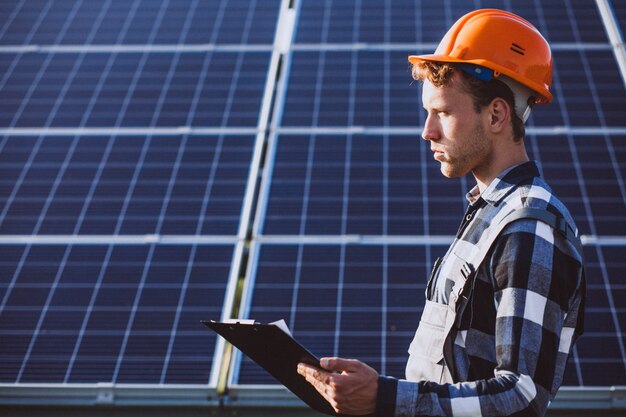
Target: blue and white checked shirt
point(525, 312)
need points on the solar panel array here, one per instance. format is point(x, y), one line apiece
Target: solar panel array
point(152, 154)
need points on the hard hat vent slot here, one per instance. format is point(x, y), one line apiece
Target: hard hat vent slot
point(518, 49)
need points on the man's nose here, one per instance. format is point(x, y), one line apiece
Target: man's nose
point(430, 131)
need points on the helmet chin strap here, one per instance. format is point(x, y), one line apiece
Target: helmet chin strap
point(524, 97)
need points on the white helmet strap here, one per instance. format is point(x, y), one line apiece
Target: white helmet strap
point(524, 97)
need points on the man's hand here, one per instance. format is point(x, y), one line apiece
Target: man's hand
point(350, 386)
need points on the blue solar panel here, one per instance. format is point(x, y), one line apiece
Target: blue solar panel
point(404, 21)
point(186, 184)
point(112, 313)
point(125, 22)
point(132, 90)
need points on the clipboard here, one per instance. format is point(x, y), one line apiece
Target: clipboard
point(278, 353)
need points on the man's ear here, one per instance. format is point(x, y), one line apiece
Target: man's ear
point(499, 113)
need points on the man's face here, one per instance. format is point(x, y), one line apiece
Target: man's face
point(455, 131)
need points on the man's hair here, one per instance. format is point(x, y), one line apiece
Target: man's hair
point(482, 92)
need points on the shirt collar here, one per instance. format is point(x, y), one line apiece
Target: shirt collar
point(504, 183)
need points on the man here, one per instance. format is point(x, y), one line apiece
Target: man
point(505, 304)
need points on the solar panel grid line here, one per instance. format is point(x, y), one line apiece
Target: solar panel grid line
point(77, 240)
point(138, 48)
point(385, 192)
point(599, 131)
point(129, 131)
point(425, 47)
point(591, 131)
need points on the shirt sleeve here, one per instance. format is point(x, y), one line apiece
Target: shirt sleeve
point(536, 276)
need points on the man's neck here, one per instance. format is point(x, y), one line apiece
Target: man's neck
point(484, 179)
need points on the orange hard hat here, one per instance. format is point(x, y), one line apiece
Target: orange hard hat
point(502, 42)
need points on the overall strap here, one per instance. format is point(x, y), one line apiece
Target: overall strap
point(556, 222)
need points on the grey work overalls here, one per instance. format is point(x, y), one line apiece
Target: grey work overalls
point(427, 361)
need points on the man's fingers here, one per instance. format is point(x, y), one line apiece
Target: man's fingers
point(313, 374)
point(319, 380)
point(348, 385)
point(340, 364)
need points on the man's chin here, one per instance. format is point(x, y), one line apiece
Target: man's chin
point(449, 171)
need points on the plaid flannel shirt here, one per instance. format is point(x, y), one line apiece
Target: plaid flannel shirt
point(525, 312)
